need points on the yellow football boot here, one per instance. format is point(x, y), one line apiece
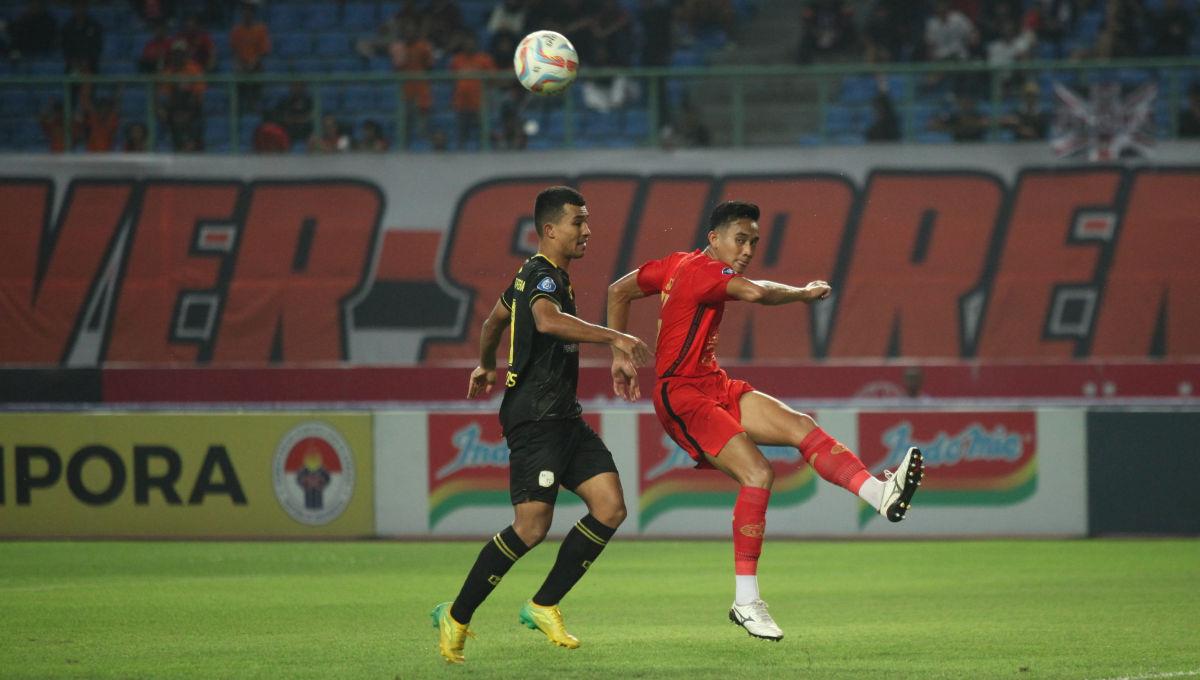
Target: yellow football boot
point(452, 635)
point(549, 621)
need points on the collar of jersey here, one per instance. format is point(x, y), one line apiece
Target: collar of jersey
point(552, 262)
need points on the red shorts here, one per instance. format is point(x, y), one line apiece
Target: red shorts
point(701, 414)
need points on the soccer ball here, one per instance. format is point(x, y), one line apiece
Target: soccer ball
point(546, 62)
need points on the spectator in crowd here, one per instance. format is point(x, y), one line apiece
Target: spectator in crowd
point(993, 21)
point(271, 137)
point(295, 111)
point(1029, 121)
point(1121, 32)
point(137, 138)
point(503, 47)
point(155, 51)
point(507, 18)
point(82, 38)
point(613, 31)
point(949, 34)
point(101, 122)
point(886, 125)
point(181, 104)
point(250, 42)
point(372, 138)
point(333, 137)
point(576, 20)
point(415, 57)
point(439, 141)
point(826, 29)
point(1172, 29)
point(54, 125)
point(883, 35)
point(704, 15)
point(1189, 117)
point(610, 93)
point(468, 92)
point(444, 23)
point(687, 128)
point(511, 133)
point(965, 123)
point(655, 19)
point(34, 32)
point(199, 43)
point(1011, 46)
point(154, 11)
point(390, 31)
point(1051, 21)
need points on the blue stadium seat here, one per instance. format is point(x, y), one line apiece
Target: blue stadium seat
point(637, 123)
point(292, 45)
point(333, 45)
point(857, 89)
point(359, 16)
point(934, 137)
point(359, 98)
point(216, 100)
point(286, 16)
point(322, 16)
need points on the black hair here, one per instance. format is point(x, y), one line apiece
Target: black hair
point(549, 204)
point(732, 211)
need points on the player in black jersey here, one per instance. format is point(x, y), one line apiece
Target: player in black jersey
point(550, 444)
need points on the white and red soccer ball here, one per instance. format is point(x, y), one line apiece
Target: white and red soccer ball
point(546, 62)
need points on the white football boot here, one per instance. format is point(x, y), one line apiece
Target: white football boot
point(899, 487)
point(756, 620)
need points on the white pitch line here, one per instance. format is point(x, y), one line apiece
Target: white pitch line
point(1154, 676)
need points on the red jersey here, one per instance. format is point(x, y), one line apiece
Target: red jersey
point(693, 290)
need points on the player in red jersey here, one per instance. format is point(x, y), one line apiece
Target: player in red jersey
point(720, 421)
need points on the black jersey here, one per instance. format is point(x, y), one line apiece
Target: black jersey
point(543, 371)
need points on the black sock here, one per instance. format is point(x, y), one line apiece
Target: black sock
point(579, 549)
point(494, 561)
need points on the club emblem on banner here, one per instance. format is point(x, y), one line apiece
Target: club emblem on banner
point(313, 473)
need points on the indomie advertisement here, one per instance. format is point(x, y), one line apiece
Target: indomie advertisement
point(468, 463)
point(670, 481)
point(971, 459)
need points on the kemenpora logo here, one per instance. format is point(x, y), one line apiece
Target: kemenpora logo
point(314, 473)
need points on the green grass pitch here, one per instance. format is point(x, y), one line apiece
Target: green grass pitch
point(946, 609)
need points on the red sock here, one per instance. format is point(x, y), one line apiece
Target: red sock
point(834, 462)
point(749, 522)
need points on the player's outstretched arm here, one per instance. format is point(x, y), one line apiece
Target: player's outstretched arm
point(550, 319)
point(484, 375)
point(772, 293)
point(621, 293)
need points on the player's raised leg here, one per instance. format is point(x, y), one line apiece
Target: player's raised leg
point(769, 421)
point(741, 460)
point(580, 548)
point(495, 559)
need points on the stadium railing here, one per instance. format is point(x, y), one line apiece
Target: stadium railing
point(831, 104)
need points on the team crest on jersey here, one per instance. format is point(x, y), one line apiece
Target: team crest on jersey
point(547, 285)
point(727, 270)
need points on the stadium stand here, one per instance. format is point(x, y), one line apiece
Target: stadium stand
point(312, 38)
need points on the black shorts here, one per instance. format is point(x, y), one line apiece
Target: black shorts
point(551, 453)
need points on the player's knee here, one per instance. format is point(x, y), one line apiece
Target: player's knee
point(804, 425)
point(612, 515)
point(532, 531)
point(760, 475)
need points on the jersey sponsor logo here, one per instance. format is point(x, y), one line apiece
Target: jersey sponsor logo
point(313, 473)
point(547, 285)
point(971, 459)
point(519, 284)
point(671, 484)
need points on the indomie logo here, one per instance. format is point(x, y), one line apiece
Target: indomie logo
point(972, 443)
point(473, 452)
